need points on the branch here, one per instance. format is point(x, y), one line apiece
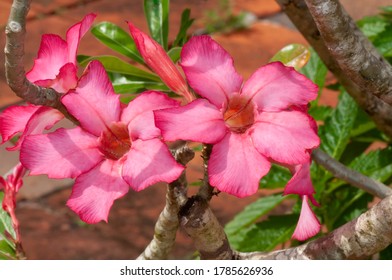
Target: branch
point(361, 238)
point(200, 223)
point(14, 64)
point(379, 110)
point(206, 191)
point(167, 224)
point(351, 176)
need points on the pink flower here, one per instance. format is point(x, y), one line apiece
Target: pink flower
point(250, 124)
point(301, 184)
point(157, 59)
point(114, 147)
point(55, 66)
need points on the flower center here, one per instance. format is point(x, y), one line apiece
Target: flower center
point(115, 141)
point(239, 114)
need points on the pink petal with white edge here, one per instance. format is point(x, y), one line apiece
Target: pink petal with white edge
point(198, 121)
point(93, 103)
point(75, 33)
point(52, 55)
point(43, 118)
point(284, 136)
point(274, 87)
point(14, 120)
point(301, 182)
point(66, 79)
point(95, 191)
point(140, 117)
point(308, 224)
point(235, 166)
point(65, 153)
point(158, 60)
point(210, 70)
point(149, 162)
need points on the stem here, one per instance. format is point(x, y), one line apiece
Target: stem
point(206, 191)
point(355, 178)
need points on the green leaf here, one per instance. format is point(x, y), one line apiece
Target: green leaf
point(5, 224)
point(277, 177)
point(114, 64)
point(266, 235)
point(294, 55)
point(315, 70)
point(132, 84)
point(252, 212)
point(320, 113)
point(186, 22)
point(174, 54)
point(6, 251)
point(117, 39)
point(383, 42)
point(336, 131)
point(372, 26)
point(157, 14)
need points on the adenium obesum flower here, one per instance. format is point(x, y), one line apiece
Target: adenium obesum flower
point(115, 146)
point(55, 67)
point(158, 60)
point(250, 124)
point(11, 185)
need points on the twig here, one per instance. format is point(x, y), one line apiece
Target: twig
point(379, 111)
point(206, 191)
point(353, 177)
point(168, 223)
point(14, 64)
point(361, 238)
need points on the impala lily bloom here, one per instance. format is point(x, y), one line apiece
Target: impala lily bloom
point(158, 60)
point(113, 148)
point(55, 67)
point(249, 124)
point(301, 184)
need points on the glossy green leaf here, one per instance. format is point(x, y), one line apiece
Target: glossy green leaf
point(386, 254)
point(117, 39)
point(252, 212)
point(157, 14)
point(336, 131)
point(320, 113)
point(114, 64)
point(294, 55)
point(372, 26)
point(175, 54)
point(186, 22)
point(266, 235)
point(277, 177)
point(383, 42)
point(6, 251)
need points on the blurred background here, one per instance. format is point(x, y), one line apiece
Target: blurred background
point(252, 31)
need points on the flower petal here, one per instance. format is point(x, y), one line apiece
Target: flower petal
point(301, 182)
point(66, 79)
point(198, 121)
point(75, 33)
point(235, 166)
point(93, 103)
point(158, 60)
point(95, 191)
point(210, 70)
point(52, 55)
point(61, 154)
point(149, 162)
point(274, 87)
point(284, 136)
point(140, 117)
point(14, 120)
point(43, 118)
point(308, 224)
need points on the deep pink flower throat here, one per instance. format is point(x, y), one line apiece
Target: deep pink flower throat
point(239, 114)
point(115, 142)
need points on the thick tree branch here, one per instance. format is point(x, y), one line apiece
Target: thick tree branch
point(14, 64)
point(379, 110)
point(200, 223)
point(167, 224)
point(355, 178)
point(361, 238)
